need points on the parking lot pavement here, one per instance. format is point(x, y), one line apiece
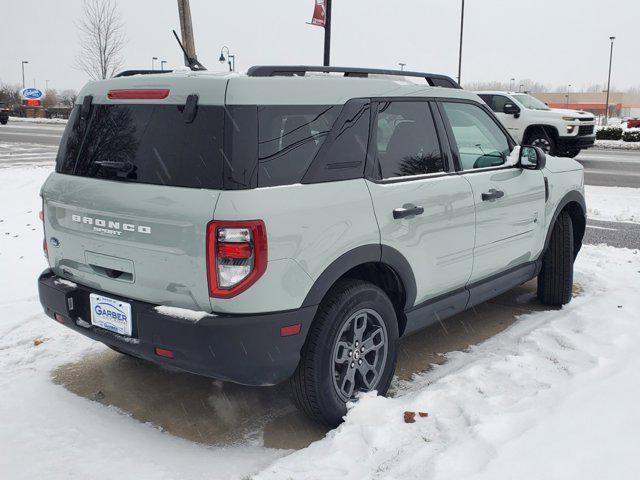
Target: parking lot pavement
point(611, 168)
point(23, 154)
point(43, 134)
point(616, 234)
point(218, 413)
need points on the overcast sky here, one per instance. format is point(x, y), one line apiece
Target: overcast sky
point(551, 41)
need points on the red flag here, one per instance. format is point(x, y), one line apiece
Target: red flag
point(319, 14)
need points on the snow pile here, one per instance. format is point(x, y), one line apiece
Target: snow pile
point(617, 145)
point(38, 120)
point(556, 392)
point(183, 313)
point(614, 204)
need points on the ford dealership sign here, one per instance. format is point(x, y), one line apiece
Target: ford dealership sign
point(31, 94)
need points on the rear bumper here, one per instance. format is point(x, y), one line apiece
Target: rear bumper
point(246, 349)
point(580, 142)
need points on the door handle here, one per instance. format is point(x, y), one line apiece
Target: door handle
point(492, 195)
point(407, 210)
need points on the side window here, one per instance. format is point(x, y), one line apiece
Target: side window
point(289, 139)
point(481, 143)
point(406, 140)
point(495, 102)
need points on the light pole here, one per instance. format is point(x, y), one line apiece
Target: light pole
point(153, 62)
point(460, 51)
point(231, 59)
point(511, 84)
point(520, 87)
point(606, 107)
point(23, 62)
point(401, 66)
point(567, 95)
point(162, 62)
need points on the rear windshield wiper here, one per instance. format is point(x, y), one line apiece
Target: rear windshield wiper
point(122, 169)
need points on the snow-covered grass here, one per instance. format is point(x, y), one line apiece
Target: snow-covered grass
point(38, 120)
point(614, 204)
point(617, 145)
point(553, 396)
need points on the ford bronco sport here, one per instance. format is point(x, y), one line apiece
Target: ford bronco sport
point(556, 131)
point(286, 224)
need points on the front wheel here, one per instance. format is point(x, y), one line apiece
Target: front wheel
point(351, 347)
point(4, 121)
point(555, 281)
point(540, 138)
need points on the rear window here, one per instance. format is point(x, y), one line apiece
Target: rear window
point(145, 144)
point(289, 139)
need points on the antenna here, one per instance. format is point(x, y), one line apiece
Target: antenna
point(192, 63)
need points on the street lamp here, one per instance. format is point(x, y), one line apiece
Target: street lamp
point(231, 59)
point(23, 62)
point(606, 107)
point(401, 66)
point(511, 84)
point(162, 62)
point(521, 87)
point(567, 95)
point(460, 51)
point(153, 62)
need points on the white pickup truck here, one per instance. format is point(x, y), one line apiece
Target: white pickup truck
point(559, 132)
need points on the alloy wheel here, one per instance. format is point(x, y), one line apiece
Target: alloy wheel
point(359, 354)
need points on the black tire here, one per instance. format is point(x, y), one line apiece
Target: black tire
point(4, 121)
point(315, 381)
point(541, 138)
point(555, 281)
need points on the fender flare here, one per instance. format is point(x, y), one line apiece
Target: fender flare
point(527, 131)
point(373, 253)
point(572, 196)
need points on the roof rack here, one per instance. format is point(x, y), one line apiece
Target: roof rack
point(129, 73)
point(433, 79)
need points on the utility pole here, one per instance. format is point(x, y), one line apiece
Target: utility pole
point(23, 62)
point(606, 107)
point(327, 34)
point(186, 28)
point(460, 52)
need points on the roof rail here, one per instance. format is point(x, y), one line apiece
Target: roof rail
point(129, 73)
point(433, 79)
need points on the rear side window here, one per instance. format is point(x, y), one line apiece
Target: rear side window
point(289, 138)
point(146, 144)
point(406, 140)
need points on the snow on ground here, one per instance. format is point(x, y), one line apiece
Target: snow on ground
point(553, 396)
point(25, 153)
point(617, 145)
point(38, 120)
point(614, 204)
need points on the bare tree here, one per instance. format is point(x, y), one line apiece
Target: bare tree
point(102, 39)
point(68, 98)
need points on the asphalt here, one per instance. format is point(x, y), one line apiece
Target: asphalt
point(611, 168)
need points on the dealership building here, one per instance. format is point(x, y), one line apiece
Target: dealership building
point(620, 104)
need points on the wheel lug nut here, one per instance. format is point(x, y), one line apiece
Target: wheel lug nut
point(362, 349)
point(353, 364)
point(356, 343)
point(350, 353)
point(359, 362)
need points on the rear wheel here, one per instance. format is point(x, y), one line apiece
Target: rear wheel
point(540, 138)
point(4, 121)
point(351, 348)
point(555, 281)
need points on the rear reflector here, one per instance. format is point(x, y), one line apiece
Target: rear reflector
point(59, 318)
point(41, 216)
point(290, 330)
point(161, 352)
point(234, 250)
point(138, 94)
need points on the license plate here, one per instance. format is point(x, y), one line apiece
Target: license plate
point(110, 314)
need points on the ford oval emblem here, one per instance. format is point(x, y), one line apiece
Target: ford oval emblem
point(32, 93)
point(54, 242)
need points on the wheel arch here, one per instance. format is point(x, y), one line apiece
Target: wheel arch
point(549, 129)
point(381, 265)
point(574, 204)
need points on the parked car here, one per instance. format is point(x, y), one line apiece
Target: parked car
point(633, 123)
point(281, 226)
point(4, 114)
point(558, 132)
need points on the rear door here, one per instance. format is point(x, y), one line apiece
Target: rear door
point(134, 188)
point(509, 200)
point(424, 210)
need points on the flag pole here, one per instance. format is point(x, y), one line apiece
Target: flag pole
point(327, 34)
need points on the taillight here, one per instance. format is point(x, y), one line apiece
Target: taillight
point(139, 93)
point(236, 256)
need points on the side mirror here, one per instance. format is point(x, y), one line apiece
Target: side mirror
point(532, 158)
point(511, 109)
